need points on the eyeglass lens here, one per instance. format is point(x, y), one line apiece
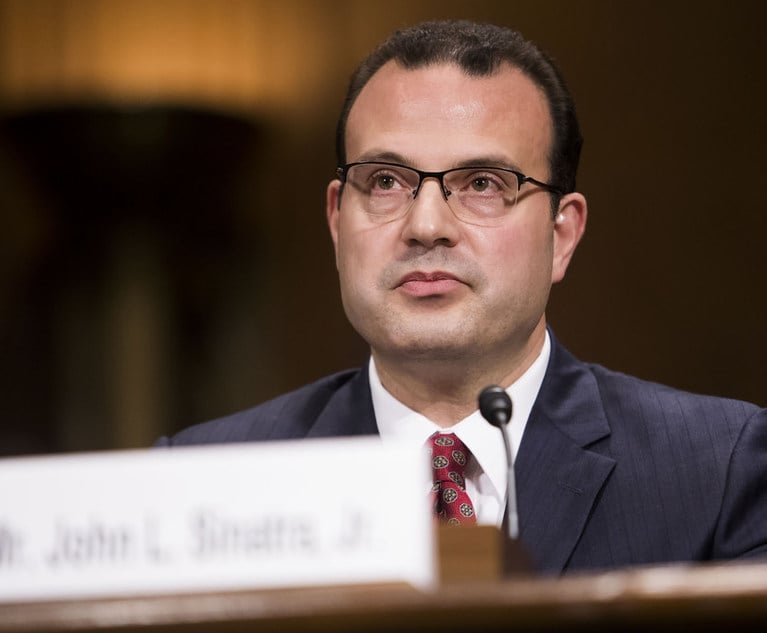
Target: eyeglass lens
point(475, 194)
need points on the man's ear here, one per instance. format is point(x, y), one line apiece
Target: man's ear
point(332, 211)
point(569, 226)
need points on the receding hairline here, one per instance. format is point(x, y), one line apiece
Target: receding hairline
point(497, 69)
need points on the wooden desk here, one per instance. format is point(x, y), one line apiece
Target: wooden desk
point(713, 598)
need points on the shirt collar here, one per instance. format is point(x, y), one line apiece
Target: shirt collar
point(396, 420)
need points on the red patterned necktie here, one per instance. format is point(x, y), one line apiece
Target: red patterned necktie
point(449, 457)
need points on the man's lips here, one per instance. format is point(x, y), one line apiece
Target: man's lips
point(423, 284)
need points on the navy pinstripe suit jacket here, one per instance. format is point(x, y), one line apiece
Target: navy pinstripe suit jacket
point(612, 470)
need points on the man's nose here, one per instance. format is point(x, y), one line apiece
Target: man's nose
point(429, 220)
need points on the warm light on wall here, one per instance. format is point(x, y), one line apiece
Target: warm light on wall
point(236, 54)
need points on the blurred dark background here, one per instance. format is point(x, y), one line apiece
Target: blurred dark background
point(163, 252)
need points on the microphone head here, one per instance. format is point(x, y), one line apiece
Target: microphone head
point(495, 405)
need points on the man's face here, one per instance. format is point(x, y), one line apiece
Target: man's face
point(428, 285)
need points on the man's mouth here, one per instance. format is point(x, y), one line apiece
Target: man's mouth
point(426, 284)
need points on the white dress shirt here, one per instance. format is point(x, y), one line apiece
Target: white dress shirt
point(486, 473)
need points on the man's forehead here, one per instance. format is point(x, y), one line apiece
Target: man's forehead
point(444, 99)
point(400, 83)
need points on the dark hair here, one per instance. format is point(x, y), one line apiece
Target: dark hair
point(478, 49)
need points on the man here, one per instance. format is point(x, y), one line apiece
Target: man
point(453, 213)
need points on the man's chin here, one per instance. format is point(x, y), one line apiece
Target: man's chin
point(436, 348)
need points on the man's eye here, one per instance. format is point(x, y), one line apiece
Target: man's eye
point(481, 184)
point(486, 184)
point(384, 181)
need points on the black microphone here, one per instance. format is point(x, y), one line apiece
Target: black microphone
point(495, 407)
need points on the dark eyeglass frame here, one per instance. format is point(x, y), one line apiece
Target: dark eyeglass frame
point(341, 172)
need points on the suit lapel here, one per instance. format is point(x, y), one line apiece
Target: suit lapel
point(558, 478)
point(349, 411)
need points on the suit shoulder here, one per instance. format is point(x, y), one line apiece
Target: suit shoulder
point(295, 411)
point(629, 394)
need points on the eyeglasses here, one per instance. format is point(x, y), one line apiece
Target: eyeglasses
point(476, 195)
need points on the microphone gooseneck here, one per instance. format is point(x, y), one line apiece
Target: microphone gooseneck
point(495, 406)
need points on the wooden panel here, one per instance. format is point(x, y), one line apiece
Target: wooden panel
point(660, 599)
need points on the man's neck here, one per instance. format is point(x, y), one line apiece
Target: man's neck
point(445, 391)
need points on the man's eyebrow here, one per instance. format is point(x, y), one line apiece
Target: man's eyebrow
point(382, 156)
point(489, 160)
point(492, 160)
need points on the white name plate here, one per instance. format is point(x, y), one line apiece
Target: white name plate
point(269, 515)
